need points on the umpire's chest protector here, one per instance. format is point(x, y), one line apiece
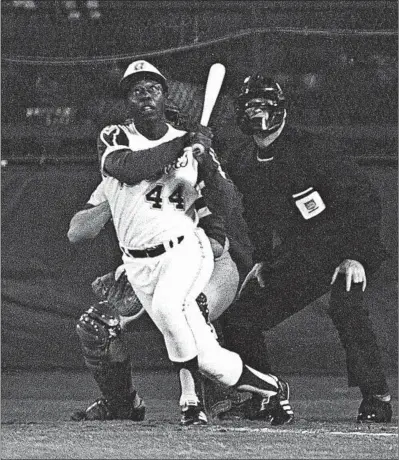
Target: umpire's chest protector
point(304, 205)
point(315, 199)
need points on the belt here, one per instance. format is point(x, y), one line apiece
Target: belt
point(153, 251)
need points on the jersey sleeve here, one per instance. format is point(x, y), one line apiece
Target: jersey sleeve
point(209, 166)
point(111, 139)
point(131, 167)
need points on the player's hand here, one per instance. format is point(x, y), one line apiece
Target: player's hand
point(353, 271)
point(255, 273)
point(217, 248)
point(203, 136)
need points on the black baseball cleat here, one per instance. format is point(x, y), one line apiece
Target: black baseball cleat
point(273, 392)
point(278, 408)
point(275, 409)
point(193, 414)
point(102, 410)
point(373, 410)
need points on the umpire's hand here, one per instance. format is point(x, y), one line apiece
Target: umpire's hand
point(353, 271)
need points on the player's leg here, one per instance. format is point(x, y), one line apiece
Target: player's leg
point(224, 366)
point(181, 272)
point(350, 316)
point(220, 293)
point(228, 369)
point(175, 311)
point(225, 279)
point(106, 357)
point(188, 271)
point(203, 396)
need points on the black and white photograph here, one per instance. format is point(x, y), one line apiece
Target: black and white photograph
point(199, 240)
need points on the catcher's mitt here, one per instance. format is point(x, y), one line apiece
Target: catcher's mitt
point(114, 287)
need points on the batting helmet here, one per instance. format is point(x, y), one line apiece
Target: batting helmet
point(260, 105)
point(141, 69)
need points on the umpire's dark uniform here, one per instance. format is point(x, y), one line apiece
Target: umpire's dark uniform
point(307, 212)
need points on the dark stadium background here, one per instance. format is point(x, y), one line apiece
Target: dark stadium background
point(61, 61)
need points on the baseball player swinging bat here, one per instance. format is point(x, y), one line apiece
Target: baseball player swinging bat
point(213, 85)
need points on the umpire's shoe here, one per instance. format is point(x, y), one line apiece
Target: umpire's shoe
point(102, 410)
point(374, 410)
point(192, 413)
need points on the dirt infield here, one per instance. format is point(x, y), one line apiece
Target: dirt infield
point(36, 424)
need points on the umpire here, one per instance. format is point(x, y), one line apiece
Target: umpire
point(315, 224)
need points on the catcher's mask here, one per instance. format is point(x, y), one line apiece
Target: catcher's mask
point(260, 106)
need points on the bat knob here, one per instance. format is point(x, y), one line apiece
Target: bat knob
point(198, 150)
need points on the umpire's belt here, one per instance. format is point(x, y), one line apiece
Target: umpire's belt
point(154, 251)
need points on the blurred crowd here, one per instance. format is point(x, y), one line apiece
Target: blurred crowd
point(334, 80)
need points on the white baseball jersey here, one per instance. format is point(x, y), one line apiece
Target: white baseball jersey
point(149, 213)
point(153, 210)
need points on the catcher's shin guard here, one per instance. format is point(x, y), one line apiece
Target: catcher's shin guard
point(119, 400)
point(105, 355)
point(202, 303)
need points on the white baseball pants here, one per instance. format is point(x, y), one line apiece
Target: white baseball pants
point(167, 286)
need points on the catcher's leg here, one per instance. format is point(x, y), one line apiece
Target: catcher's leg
point(106, 357)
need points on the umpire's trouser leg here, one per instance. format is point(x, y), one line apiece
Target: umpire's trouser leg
point(289, 288)
point(350, 316)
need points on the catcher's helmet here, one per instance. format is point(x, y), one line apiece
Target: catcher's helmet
point(141, 69)
point(260, 106)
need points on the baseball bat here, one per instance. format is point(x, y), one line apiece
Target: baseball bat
point(212, 89)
